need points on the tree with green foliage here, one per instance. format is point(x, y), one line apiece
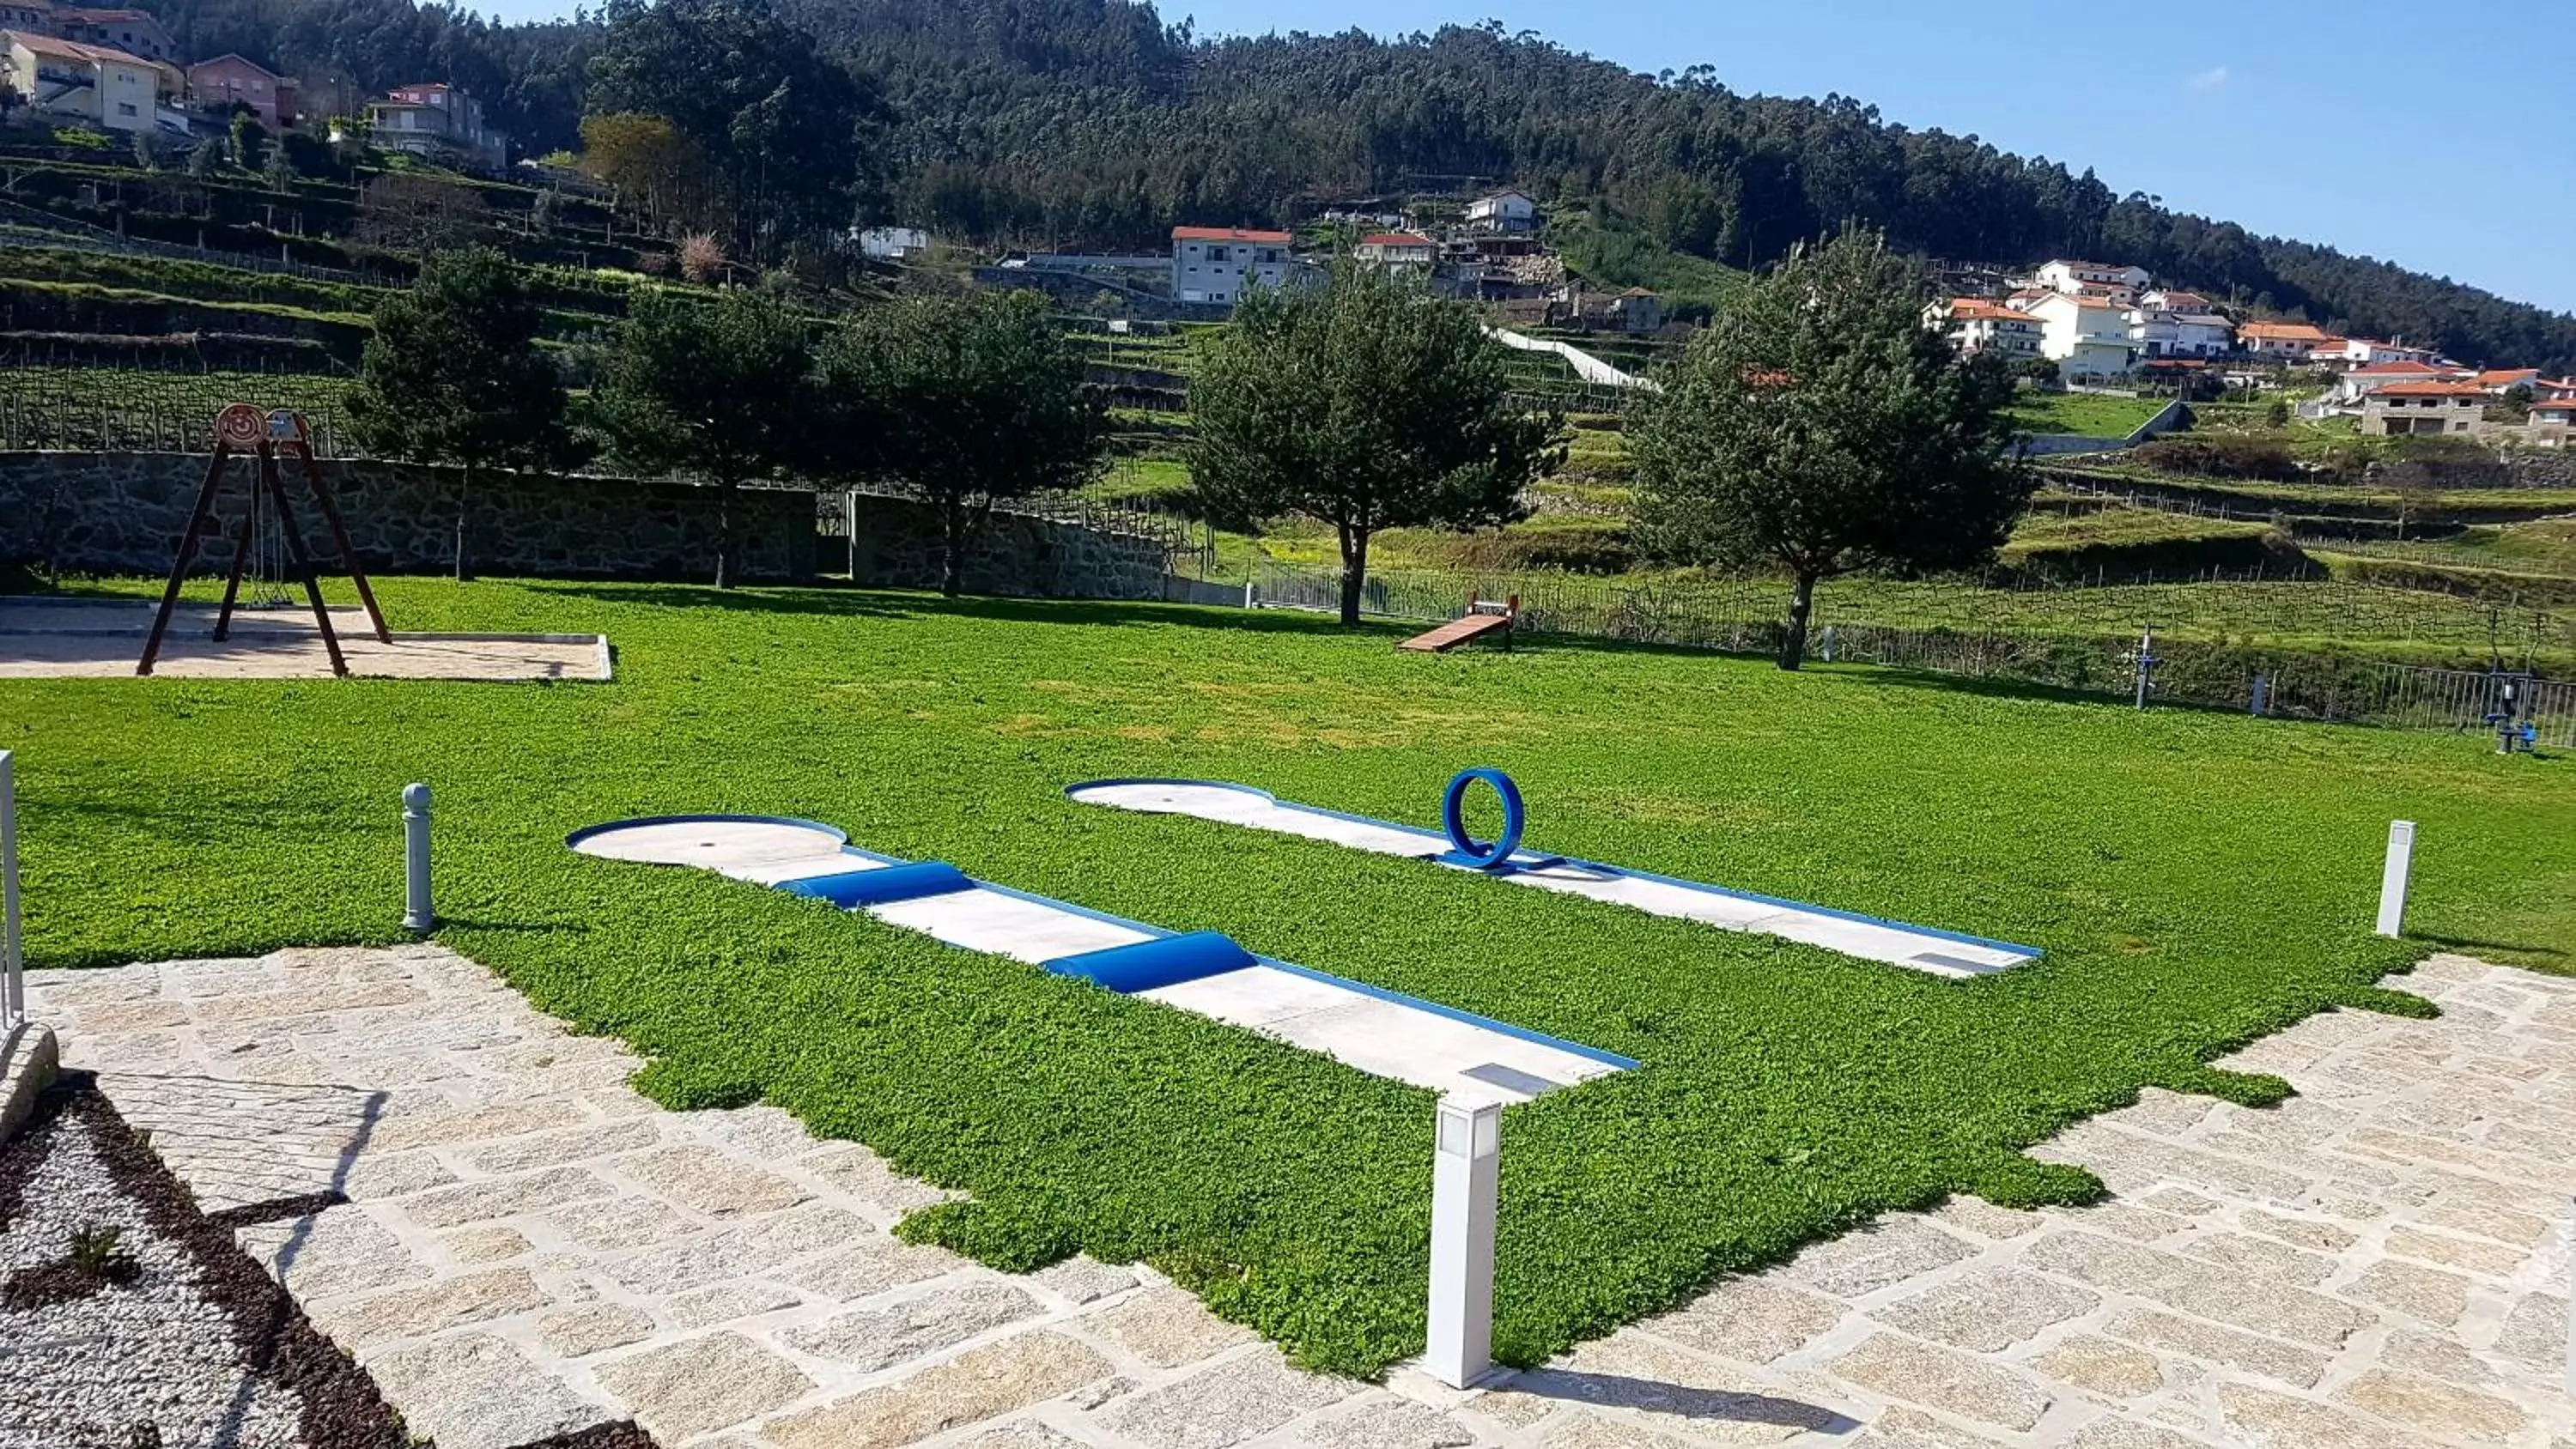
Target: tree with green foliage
point(1817, 426)
point(1366, 404)
point(249, 140)
point(453, 375)
point(966, 401)
point(720, 389)
point(783, 129)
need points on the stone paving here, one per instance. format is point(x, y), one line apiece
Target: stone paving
point(530, 1247)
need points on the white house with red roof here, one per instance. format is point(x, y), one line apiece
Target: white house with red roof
point(1219, 263)
point(2284, 341)
point(2553, 422)
point(1975, 325)
point(2358, 384)
point(2099, 279)
point(2086, 336)
point(1397, 249)
point(97, 85)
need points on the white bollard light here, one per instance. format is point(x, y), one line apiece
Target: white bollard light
point(417, 915)
point(13, 964)
point(2392, 879)
point(1465, 1171)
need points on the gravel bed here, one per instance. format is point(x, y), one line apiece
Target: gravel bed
point(191, 1348)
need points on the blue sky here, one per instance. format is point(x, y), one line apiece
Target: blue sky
point(2441, 140)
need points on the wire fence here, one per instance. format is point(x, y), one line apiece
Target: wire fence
point(152, 410)
point(1978, 633)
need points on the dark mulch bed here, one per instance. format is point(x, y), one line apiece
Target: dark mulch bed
point(342, 1409)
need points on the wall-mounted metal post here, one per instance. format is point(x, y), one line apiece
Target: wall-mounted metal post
point(417, 915)
point(1465, 1171)
point(2392, 877)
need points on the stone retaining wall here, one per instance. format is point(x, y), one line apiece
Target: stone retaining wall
point(123, 513)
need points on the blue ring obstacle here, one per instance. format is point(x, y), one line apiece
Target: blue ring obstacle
point(1466, 849)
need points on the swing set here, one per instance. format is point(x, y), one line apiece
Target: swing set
point(268, 550)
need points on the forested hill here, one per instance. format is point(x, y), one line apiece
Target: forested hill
point(1092, 123)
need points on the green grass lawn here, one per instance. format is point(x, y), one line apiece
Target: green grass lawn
point(2085, 414)
point(2196, 879)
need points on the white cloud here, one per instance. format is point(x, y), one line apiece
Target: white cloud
point(2208, 80)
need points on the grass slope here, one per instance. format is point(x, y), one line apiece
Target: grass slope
point(2197, 880)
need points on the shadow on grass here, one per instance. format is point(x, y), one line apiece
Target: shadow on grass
point(852, 602)
point(2474, 944)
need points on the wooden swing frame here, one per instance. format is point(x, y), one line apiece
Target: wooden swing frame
point(244, 428)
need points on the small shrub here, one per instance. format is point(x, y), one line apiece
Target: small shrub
point(94, 1250)
point(702, 258)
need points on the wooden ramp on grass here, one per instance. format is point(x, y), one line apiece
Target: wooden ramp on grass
point(1458, 631)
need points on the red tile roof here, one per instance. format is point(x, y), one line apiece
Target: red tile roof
point(1978, 309)
point(2431, 389)
point(2284, 332)
point(1393, 239)
point(75, 50)
point(1228, 233)
point(2556, 405)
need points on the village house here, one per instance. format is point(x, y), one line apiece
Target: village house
point(2097, 279)
point(1503, 211)
point(1217, 263)
point(2500, 381)
point(2403, 409)
point(1975, 325)
point(36, 16)
point(68, 80)
point(893, 243)
point(2553, 423)
point(1397, 249)
point(135, 32)
point(2087, 337)
point(2283, 341)
point(2366, 352)
point(437, 121)
point(227, 81)
point(2353, 387)
point(2168, 330)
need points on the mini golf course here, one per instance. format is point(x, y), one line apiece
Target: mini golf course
point(2193, 882)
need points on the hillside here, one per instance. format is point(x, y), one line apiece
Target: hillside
point(1092, 123)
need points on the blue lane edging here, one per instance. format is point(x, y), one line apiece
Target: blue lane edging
point(2030, 952)
point(1161, 936)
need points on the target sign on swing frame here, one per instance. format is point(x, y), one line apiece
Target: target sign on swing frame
point(241, 425)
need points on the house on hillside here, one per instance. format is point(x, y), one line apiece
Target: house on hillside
point(36, 16)
point(2502, 380)
point(1396, 249)
point(1509, 212)
point(438, 122)
point(2366, 352)
point(2356, 386)
point(1637, 311)
point(135, 32)
point(2553, 423)
point(2282, 341)
point(2403, 409)
point(77, 83)
point(2087, 337)
point(1975, 325)
point(231, 80)
point(2100, 279)
point(1217, 263)
point(892, 243)
point(2168, 331)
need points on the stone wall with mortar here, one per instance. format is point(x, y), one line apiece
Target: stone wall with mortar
point(123, 513)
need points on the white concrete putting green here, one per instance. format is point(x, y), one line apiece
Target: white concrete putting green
point(1380, 1032)
point(1921, 948)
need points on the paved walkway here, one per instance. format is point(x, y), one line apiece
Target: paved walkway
point(530, 1247)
